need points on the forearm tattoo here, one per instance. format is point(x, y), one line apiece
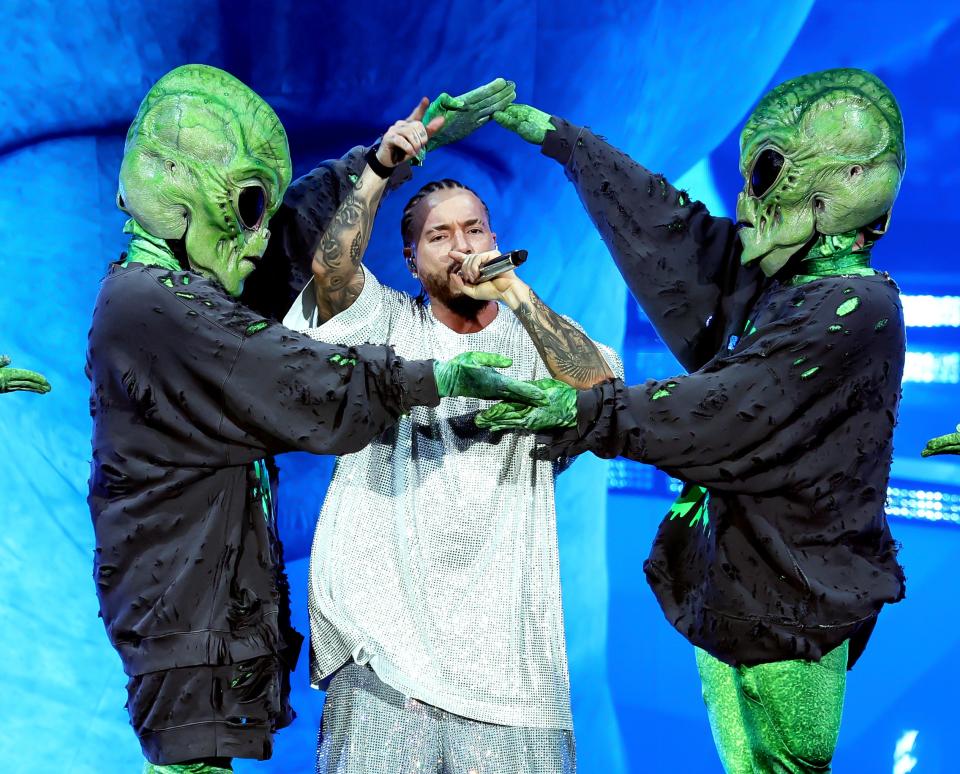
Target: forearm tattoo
point(569, 354)
point(336, 266)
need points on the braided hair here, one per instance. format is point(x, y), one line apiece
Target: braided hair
point(406, 220)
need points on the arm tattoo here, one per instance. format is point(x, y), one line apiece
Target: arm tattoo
point(569, 354)
point(338, 279)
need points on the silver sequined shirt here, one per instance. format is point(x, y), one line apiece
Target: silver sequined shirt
point(435, 555)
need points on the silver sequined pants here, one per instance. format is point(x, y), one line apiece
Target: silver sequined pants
point(369, 728)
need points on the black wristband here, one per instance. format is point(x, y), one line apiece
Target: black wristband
point(380, 170)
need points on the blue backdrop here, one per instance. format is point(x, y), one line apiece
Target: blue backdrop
point(670, 83)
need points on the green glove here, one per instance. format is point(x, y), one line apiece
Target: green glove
point(559, 411)
point(469, 375)
point(468, 112)
point(944, 444)
point(531, 124)
point(12, 379)
point(185, 768)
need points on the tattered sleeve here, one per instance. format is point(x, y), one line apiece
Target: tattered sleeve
point(749, 420)
point(287, 392)
point(680, 262)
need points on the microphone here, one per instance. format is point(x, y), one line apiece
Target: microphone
point(503, 263)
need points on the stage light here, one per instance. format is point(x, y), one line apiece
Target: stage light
point(903, 501)
point(923, 504)
point(931, 311)
point(932, 367)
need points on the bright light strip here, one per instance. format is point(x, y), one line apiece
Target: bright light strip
point(931, 311)
point(902, 502)
point(923, 504)
point(932, 367)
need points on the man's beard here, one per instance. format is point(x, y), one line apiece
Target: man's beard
point(460, 304)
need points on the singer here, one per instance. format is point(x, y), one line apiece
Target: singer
point(435, 615)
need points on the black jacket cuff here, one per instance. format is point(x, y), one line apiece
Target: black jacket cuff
point(419, 384)
point(559, 143)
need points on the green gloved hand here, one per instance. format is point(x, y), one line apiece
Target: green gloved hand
point(531, 124)
point(559, 411)
point(185, 768)
point(13, 379)
point(468, 112)
point(469, 375)
point(944, 444)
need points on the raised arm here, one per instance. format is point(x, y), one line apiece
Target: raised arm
point(339, 251)
point(338, 278)
point(308, 207)
point(680, 262)
point(570, 355)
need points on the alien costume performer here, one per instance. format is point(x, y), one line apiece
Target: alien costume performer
point(190, 390)
point(777, 558)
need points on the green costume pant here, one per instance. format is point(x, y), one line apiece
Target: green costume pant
point(779, 718)
point(186, 768)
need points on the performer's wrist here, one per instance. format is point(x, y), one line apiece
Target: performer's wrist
point(376, 166)
point(517, 294)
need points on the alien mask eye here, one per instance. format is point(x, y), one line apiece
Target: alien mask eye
point(766, 171)
point(251, 204)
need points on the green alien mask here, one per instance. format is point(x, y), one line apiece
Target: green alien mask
point(821, 154)
point(206, 161)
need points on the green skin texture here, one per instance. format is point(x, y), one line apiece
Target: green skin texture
point(19, 379)
point(560, 410)
point(199, 138)
point(528, 122)
point(841, 135)
point(185, 768)
point(471, 375)
point(779, 717)
point(467, 112)
point(944, 444)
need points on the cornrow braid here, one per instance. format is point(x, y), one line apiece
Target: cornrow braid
point(406, 221)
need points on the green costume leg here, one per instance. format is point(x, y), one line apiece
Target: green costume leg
point(793, 709)
point(721, 694)
point(787, 717)
point(185, 768)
